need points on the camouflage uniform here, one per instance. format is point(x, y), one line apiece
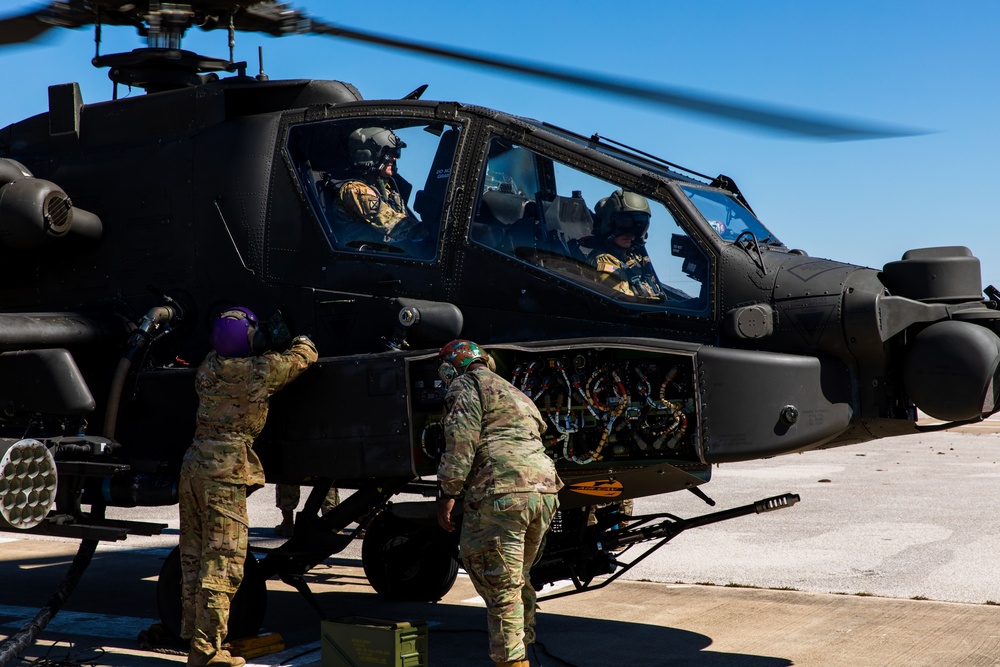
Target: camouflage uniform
point(218, 467)
point(286, 498)
point(378, 205)
point(494, 455)
point(628, 272)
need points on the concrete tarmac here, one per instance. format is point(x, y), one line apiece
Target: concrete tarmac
point(889, 560)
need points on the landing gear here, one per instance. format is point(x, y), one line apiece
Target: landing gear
point(409, 560)
point(246, 614)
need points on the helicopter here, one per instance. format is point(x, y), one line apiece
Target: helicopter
point(127, 225)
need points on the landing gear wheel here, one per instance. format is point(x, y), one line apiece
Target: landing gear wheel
point(246, 614)
point(406, 560)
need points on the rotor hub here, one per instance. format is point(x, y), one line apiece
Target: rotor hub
point(158, 69)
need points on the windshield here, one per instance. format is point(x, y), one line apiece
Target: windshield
point(727, 216)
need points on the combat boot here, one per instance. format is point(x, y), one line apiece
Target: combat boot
point(218, 659)
point(287, 526)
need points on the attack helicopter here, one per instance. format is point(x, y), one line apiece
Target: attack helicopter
point(127, 225)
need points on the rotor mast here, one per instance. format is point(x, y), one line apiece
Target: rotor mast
point(168, 21)
point(163, 64)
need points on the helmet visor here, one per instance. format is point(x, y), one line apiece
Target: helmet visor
point(630, 222)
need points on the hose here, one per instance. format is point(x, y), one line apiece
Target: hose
point(19, 642)
point(151, 321)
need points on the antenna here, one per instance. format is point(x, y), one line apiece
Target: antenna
point(260, 58)
point(232, 37)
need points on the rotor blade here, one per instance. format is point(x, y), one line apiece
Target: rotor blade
point(799, 124)
point(22, 28)
point(30, 25)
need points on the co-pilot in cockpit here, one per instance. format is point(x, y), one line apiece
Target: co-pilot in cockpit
point(622, 225)
point(593, 232)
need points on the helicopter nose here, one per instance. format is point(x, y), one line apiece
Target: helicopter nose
point(952, 371)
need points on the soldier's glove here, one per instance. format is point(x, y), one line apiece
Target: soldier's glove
point(304, 340)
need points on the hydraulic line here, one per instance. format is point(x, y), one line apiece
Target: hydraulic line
point(19, 642)
point(153, 320)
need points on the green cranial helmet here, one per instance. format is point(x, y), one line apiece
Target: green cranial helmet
point(372, 147)
point(621, 212)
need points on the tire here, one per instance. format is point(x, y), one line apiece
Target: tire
point(406, 560)
point(246, 614)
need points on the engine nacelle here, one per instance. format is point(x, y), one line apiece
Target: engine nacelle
point(35, 212)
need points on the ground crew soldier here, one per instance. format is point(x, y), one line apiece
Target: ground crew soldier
point(494, 457)
point(234, 385)
point(620, 255)
point(371, 201)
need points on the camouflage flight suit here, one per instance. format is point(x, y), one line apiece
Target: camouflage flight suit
point(233, 398)
point(378, 206)
point(628, 272)
point(494, 455)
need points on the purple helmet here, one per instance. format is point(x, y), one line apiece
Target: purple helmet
point(234, 331)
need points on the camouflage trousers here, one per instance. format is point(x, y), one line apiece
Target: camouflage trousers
point(213, 545)
point(286, 498)
point(501, 539)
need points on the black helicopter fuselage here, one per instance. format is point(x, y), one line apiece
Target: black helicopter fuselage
point(220, 194)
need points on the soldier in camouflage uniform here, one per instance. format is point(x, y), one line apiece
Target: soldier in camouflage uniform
point(234, 385)
point(620, 255)
point(372, 203)
point(494, 457)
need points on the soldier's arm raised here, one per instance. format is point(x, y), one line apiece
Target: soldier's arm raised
point(283, 367)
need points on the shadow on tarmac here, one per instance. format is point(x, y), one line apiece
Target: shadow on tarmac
point(457, 637)
point(120, 583)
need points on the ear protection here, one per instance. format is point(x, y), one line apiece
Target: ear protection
point(447, 373)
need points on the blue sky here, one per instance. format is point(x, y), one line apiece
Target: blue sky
point(914, 64)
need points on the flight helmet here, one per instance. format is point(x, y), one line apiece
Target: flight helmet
point(371, 148)
point(236, 333)
point(455, 358)
point(621, 212)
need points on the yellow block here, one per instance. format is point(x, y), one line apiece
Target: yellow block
point(254, 647)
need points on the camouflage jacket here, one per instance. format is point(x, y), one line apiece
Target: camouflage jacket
point(493, 440)
point(379, 204)
point(631, 274)
point(233, 398)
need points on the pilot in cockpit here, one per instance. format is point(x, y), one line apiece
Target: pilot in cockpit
point(620, 227)
point(371, 197)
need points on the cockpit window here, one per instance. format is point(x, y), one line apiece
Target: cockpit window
point(376, 185)
point(587, 230)
point(728, 217)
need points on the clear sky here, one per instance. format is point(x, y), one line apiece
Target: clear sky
point(910, 63)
